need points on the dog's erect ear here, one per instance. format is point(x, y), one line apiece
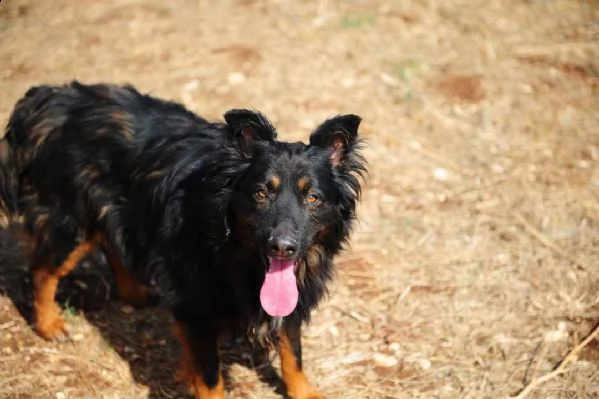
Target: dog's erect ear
point(338, 134)
point(249, 126)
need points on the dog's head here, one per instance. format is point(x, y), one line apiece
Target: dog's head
point(296, 200)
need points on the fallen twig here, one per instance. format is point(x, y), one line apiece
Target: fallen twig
point(561, 367)
point(535, 373)
point(533, 231)
point(8, 324)
point(556, 47)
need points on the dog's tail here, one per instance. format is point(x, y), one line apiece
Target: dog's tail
point(9, 186)
point(9, 172)
point(20, 136)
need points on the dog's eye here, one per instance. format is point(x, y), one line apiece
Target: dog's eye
point(261, 193)
point(312, 198)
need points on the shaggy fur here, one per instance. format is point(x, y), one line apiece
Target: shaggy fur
point(188, 210)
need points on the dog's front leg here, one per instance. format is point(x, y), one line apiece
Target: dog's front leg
point(290, 351)
point(201, 366)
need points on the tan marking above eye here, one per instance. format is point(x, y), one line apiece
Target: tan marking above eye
point(275, 182)
point(303, 182)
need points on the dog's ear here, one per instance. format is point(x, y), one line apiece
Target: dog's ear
point(339, 134)
point(248, 126)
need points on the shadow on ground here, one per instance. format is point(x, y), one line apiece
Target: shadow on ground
point(142, 337)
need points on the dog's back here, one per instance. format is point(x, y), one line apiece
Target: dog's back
point(81, 143)
point(50, 112)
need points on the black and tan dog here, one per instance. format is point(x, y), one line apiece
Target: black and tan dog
point(234, 230)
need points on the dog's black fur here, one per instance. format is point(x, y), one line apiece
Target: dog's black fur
point(193, 209)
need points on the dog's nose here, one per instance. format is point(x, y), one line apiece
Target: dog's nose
point(282, 247)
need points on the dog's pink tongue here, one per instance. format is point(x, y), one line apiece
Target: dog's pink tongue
point(278, 295)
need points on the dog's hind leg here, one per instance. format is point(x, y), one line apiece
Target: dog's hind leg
point(129, 288)
point(56, 254)
point(290, 350)
point(49, 322)
point(201, 369)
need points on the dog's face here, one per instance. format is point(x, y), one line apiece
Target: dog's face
point(296, 200)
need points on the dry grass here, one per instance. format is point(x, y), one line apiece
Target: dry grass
point(474, 268)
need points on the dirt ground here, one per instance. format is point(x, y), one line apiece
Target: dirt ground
point(474, 268)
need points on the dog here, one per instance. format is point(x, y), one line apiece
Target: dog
point(233, 230)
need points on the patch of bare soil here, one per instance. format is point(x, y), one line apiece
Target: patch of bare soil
point(473, 270)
